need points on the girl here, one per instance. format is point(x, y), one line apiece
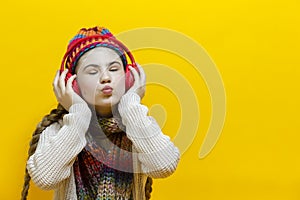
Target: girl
point(99, 143)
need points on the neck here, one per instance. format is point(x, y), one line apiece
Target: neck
point(104, 112)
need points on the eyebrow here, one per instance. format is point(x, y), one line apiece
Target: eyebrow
point(95, 65)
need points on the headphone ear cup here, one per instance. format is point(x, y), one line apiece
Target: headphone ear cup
point(76, 87)
point(129, 80)
point(74, 83)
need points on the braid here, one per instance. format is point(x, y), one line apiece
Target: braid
point(49, 119)
point(148, 187)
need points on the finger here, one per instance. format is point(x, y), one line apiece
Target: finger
point(135, 75)
point(142, 74)
point(62, 82)
point(56, 78)
point(54, 84)
point(57, 94)
point(143, 80)
point(69, 83)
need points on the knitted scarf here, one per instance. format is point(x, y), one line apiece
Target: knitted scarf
point(103, 169)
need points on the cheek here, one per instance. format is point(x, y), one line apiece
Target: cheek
point(120, 84)
point(87, 85)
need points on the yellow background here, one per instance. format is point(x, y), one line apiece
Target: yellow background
point(255, 45)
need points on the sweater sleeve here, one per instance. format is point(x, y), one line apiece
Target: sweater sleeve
point(158, 155)
point(58, 146)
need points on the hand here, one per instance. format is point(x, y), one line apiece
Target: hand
point(139, 81)
point(64, 92)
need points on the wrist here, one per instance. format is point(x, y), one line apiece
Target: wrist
point(127, 102)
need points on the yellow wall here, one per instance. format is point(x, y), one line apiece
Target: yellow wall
point(255, 46)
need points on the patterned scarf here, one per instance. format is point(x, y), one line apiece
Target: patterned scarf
point(103, 169)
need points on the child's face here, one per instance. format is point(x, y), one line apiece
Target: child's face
point(99, 68)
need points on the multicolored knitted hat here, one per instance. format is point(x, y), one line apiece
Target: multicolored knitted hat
point(87, 39)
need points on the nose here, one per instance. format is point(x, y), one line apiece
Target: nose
point(105, 77)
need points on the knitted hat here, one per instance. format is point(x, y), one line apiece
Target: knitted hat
point(87, 39)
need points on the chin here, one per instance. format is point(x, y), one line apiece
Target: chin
point(108, 102)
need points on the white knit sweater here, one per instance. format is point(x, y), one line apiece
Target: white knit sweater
point(51, 166)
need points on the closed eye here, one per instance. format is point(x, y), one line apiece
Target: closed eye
point(91, 69)
point(114, 68)
point(92, 72)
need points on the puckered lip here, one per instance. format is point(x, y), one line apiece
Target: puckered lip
point(106, 88)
